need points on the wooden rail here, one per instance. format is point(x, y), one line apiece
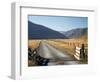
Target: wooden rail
point(81, 52)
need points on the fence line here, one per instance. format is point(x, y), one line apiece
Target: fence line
point(81, 52)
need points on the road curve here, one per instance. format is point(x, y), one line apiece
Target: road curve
point(47, 51)
point(57, 57)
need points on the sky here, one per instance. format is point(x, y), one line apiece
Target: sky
point(60, 23)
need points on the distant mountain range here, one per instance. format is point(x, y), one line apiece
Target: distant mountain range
point(36, 31)
point(75, 33)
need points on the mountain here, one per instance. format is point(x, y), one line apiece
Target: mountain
point(75, 33)
point(36, 31)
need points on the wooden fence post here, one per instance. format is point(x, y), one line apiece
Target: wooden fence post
point(82, 54)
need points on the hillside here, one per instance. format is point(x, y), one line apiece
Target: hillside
point(75, 33)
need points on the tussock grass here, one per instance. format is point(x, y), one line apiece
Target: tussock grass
point(33, 43)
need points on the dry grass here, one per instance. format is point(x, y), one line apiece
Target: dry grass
point(33, 43)
point(67, 45)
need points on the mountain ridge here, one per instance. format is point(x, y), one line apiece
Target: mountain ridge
point(36, 31)
point(75, 33)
